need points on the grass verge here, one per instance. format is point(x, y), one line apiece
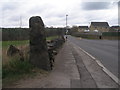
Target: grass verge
point(15, 70)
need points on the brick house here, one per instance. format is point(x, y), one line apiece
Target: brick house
point(114, 28)
point(82, 28)
point(100, 26)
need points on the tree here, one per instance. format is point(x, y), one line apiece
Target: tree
point(74, 29)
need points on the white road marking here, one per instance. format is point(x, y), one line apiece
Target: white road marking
point(116, 79)
point(111, 75)
point(99, 63)
point(87, 53)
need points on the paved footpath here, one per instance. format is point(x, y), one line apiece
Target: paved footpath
point(73, 69)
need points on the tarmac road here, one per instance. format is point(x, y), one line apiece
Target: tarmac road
point(104, 50)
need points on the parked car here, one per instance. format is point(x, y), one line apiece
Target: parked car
point(96, 30)
point(86, 30)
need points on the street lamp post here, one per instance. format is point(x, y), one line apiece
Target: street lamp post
point(66, 24)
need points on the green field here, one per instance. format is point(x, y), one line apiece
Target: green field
point(51, 38)
point(18, 43)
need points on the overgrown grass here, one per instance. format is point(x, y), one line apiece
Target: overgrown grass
point(16, 70)
point(13, 69)
point(16, 67)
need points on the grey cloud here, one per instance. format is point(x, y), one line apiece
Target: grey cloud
point(62, 15)
point(114, 22)
point(10, 6)
point(95, 5)
point(36, 9)
point(14, 18)
point(119, 4)
point(54, 15)
point(40, 8)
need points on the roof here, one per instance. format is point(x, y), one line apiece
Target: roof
point(83, 26)
point(100, 24)
point(115, 26)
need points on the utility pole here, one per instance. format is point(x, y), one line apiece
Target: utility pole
point(20, 21)
point(20, 32)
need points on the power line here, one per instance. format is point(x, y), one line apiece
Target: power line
point(20, 21)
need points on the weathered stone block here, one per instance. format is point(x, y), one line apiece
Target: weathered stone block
point(38, 46)
point(14, 51)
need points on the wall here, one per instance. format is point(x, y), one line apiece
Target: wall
point(103, 29)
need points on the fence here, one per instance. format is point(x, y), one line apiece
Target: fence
point(10, 34)
point(105, 35)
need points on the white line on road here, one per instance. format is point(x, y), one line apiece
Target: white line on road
point(87, 53)
point(101, 65)
point(111, 75)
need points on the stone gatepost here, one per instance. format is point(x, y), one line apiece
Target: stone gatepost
point(38, 46)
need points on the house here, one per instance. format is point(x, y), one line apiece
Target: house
point(82, 28)
point(114, 29)
point(100, 26)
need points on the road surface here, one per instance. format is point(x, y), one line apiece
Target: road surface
point(104, 50)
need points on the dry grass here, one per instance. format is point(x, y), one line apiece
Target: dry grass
point(22, 45)
point(5, 58)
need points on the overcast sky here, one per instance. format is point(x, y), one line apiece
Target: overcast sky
point(53, 12)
